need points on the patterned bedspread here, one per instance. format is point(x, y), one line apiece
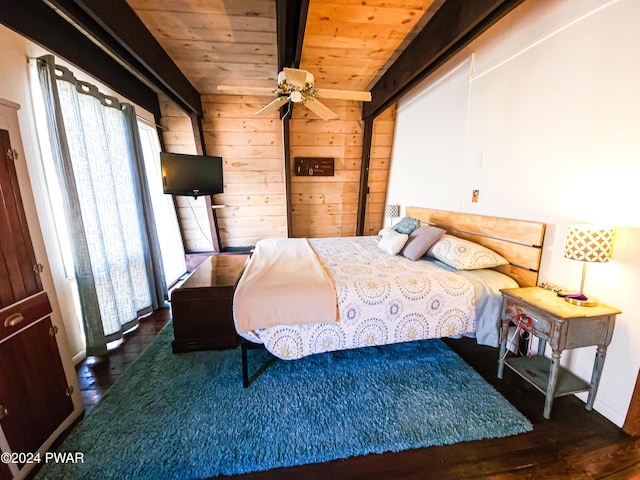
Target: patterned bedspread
point(382, 299)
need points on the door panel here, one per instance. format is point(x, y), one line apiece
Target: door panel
point(5, 473)
point(33, 388)
point(17, 258)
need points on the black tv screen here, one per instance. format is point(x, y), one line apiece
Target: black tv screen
point(192, 175)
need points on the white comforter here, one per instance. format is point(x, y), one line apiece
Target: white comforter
point(381, 299)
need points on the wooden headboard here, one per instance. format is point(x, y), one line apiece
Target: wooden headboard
point(519, 241)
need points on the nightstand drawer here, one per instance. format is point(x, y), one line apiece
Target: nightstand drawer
point(541, 326)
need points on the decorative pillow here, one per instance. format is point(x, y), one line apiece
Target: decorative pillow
point(385, 230)
point(392, 241)
point(420, 241)
point(465, 255)
point(407, 225)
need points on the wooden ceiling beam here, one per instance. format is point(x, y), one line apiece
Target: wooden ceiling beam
point(291, 22)
point(118, 29)
point(454, 25)
point(36, 21)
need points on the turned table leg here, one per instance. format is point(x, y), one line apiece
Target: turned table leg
point(553, 382)
point(598, 365)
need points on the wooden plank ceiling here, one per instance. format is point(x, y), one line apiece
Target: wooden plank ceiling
point(348, 44)
point(216, 42)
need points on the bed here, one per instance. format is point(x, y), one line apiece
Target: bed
point(383, 298)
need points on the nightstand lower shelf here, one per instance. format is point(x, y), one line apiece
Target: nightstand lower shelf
point(535, 370)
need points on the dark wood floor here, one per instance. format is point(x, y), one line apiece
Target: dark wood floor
point(573, 444)
point(97, 374)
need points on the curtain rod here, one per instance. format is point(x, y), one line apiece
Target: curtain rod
point(150, 123)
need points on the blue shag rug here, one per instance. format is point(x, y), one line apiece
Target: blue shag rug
point(187, 416)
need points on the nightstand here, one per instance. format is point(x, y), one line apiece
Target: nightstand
point(563, 326)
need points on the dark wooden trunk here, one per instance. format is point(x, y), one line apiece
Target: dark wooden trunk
point(202, 306)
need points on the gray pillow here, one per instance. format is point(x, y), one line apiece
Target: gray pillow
point(407, 225)
point(420, 241)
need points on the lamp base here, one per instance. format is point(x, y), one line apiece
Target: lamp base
point(581, 303)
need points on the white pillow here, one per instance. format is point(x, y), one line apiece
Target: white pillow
point(392, 241)
point(465, 255)
point(385, 230)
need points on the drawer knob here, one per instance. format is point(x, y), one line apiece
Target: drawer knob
point(13, 320)
point(4, 412)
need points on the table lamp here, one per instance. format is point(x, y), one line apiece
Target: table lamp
point(587, 243)
point(392, 211)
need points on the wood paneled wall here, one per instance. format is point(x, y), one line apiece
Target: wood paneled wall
point(252, 150)
point(251, 147)
point(327, 206)
point(379, 164)
point(177, 133)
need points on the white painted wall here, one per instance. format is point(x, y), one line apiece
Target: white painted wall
point(542, 115)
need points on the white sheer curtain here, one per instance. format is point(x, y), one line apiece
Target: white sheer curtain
point(115, 249)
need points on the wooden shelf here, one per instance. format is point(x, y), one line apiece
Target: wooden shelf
point(535, 370)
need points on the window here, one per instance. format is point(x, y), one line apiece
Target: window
point(163, 208)
point(94, 153)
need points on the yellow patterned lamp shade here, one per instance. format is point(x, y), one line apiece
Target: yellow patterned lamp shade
point(587, 243)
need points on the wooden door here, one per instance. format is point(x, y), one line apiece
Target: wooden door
point(34, 388)
point(18, 271)
point(632, 422)
point(33, 385)
point(5, 474)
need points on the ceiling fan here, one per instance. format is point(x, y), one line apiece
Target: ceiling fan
point(296, 86)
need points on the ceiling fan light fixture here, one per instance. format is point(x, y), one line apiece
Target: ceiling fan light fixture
point(310, 79)
point(297, 86)
point(282, 79)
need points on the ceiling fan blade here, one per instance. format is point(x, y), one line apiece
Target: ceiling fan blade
point(296, 77)
point(343, 94)
point(258, 91)
point(319, 109)
point(273, 106)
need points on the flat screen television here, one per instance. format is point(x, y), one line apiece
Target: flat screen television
point(191, 175)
